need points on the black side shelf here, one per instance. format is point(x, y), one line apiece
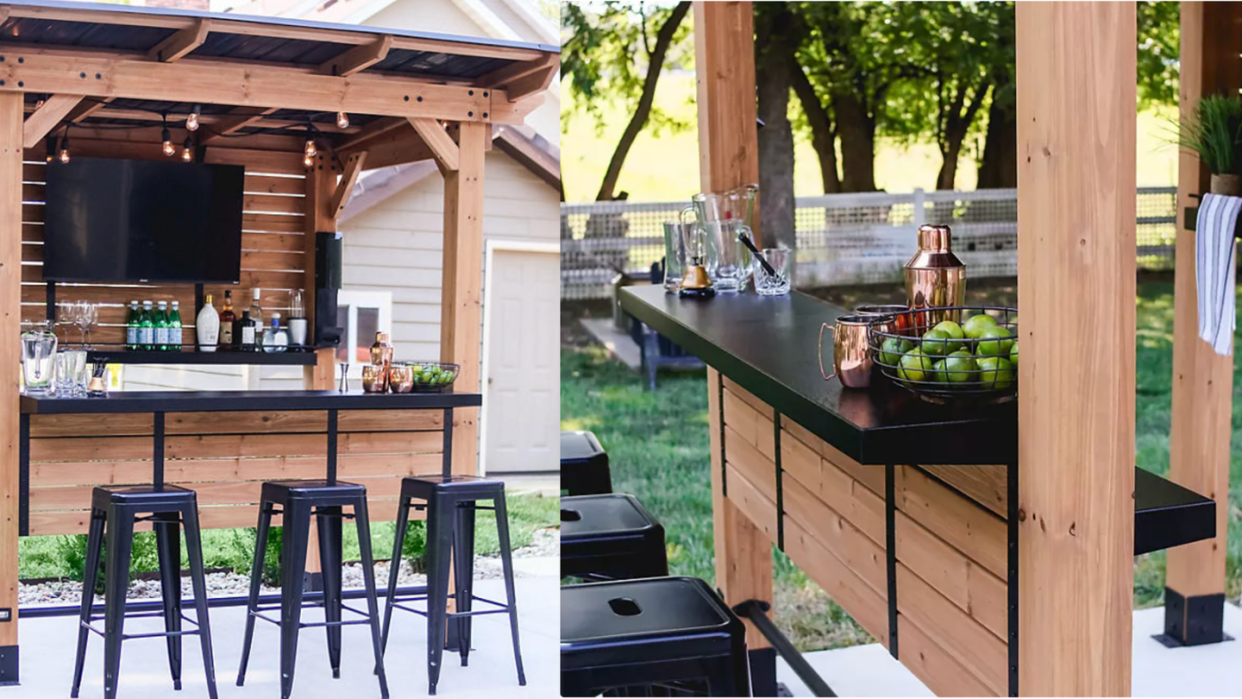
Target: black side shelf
point(1168, 515)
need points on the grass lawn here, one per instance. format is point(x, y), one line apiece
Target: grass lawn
point(62, 556)
point(658, 447)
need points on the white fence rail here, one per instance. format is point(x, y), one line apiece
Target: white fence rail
point(842, 239)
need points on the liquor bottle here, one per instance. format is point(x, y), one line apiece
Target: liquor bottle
point(227, 320)
point(246, 326)
point(275, 339)
point(146, 327)
point(256, 311)
point(174, 327)
point(131, 326)
point(161, 327)
point(207, 327)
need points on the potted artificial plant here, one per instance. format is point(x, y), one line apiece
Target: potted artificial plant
point(1215, 132)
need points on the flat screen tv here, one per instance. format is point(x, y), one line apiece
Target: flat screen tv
point(142, 221)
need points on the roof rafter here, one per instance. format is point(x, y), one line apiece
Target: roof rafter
point(182, 43)
point(358, 59)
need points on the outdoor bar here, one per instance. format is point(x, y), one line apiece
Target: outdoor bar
point(305, 108)
point(989, 547)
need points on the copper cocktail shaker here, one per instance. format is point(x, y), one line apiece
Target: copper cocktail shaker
point(934, 276)
point(381, 356)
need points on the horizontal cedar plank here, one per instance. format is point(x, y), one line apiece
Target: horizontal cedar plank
point(752, 502)
point(852, 500)
point(273, 242)
point(215, 517)
point(835, 533)
point(272, 222)
point(763, 408)
point(750, 424)
point(986, 485)
point(391, 442)
point(33, 171)
point(90, 448)
point(978, 650)
point(246, 422)
point(989, 601)
point(956, 519)
point(216, 446)
point(837, 579)
point(942, 674)
point(252, 260)
point(759, 469)
point(255, 203)
point(111, 425)
point(273, 162)
point(260, 184)
point(218, 493)
point(389, 420)
point(114, 293)
point(870, 476)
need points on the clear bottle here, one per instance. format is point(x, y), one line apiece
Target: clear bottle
point(207, 327)
point(275, 338)
point(161, 327)
point(246, 341)
point(228, 319)
point(131, 326)
point(146, 327)
point(256, 310)
point(174, 327)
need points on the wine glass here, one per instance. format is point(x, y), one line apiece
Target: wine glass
point(92, 318)
point(80, 316)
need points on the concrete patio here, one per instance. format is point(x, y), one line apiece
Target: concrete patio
point(1203, 671)
point(47, 655)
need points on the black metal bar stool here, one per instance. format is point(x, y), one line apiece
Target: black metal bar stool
point(584, 465)
point(114, 510)
point(610, 537)
point(450, 502)
point(650, 633)
point(297, 502)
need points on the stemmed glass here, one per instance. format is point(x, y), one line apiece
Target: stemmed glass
point(84, 316)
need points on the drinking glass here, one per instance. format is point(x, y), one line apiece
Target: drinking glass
point(781, 261)
point(728, 259)
point(675, 257)
point(66, 382)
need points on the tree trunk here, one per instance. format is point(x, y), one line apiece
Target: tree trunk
point(773, 57)
point(823, 135)
point(857, 132)
point(947, 176)
point(998, 169)
point(655, 64)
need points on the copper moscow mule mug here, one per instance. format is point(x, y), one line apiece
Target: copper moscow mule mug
point(851, 353)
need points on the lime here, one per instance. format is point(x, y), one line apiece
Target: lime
point(416, 368)
point(996, 372)
point(960, 367)
point(449, 376)
point(915, 365)
point(938, 372)
point(995, 342)
point(938, 343)
point(1013, 354)
point(892, 349)
point(951, 329)
point(975, 325)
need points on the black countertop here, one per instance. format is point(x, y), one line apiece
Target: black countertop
point(222, 401)
point(767, 345)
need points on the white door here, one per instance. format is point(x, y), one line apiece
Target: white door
point(522, 407)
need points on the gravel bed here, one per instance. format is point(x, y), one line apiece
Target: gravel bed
point(546, 544)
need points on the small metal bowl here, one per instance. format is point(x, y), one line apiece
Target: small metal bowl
point(374, 379)
point(401, 379)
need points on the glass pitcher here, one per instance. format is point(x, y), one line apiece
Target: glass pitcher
point(735, 204)
point(38, 359)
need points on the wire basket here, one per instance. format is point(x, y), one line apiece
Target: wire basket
point(433, 377)
point(982, 370)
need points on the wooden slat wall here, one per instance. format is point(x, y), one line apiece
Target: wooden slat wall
point(272, 252)
point(950, 543)
point(224, 457)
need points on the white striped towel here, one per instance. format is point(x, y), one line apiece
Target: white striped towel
point(1216, 269)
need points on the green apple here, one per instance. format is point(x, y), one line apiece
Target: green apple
point(996, 372)
point(915, 365)
point(960, 367)
point(1013, 354)
point(995, 342)
point(975, 325)
point(892, 349)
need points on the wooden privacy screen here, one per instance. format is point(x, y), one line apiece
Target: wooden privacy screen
point(950, 535)
point(273, 252)
point(224, 457)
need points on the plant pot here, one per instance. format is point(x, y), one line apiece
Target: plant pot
point(1230, 185)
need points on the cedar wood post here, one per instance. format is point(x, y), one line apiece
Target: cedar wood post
point(1211, 34)
point(729, 157)
point(1076, 80)
point(11, 108)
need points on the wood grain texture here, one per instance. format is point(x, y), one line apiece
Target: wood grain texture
point(986, 485)
point(834, 532)
point(833, 487)
point(937, 669)
point(1076, 79)
point(11, 105)
point(753, 502)
point(1202, 379)
point(752, 425)
point(757, 468)
point(837, 579)
point(956, 519)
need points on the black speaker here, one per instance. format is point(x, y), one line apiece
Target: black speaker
point(329, 249)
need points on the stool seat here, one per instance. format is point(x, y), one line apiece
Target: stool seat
point(423, 486)
point(610, 537)
point(584, 465)
point(631, 633)
point(317, 492)
point(141, 495)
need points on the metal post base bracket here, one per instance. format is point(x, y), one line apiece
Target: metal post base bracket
point(1193, 621)
point(8, 666)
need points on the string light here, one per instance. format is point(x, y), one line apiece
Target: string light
point(191, 122)
point(308, 161)
point(166, 137)
point(342, 120)
point(187, 152)
point(64, 147)
point(51, 148)
point(311, 151)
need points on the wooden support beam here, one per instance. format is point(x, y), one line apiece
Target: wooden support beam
point(1076, 210)
point(524, 79)
point(85, 110)
point(728, 156)
point(10, 356)
point(181, 44)
point(47, 117)
point(461, 303)
point(373, 130)
point(440, 143)
point(353, 168)
point(233, 123)
point(728, 113)
point(359, 58)
point(1202, 380)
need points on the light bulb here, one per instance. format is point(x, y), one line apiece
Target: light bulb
point(308, 161)
point(191, 122)
point(64, 152)
point(310, 148)
point(187, 152)
point(169, 150)
point(342, 120)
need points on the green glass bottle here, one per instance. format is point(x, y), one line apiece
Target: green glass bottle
point(174, 327)
point(146, 327)
point(161, 327)
point(131, 326)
